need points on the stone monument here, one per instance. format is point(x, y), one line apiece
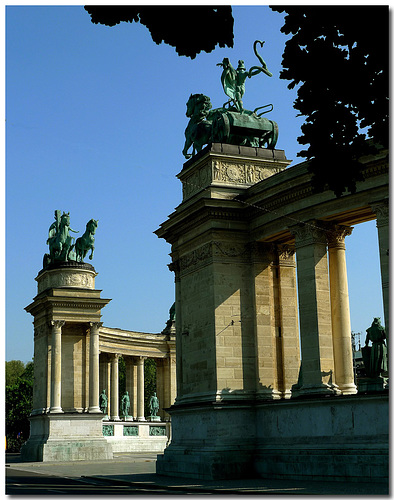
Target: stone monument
point(245, 318)
point(66, 420)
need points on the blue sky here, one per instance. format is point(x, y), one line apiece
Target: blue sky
point(95, 120)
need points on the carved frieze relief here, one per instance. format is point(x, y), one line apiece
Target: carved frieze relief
point(224, 250)
point(226, 172)
point(76, 279)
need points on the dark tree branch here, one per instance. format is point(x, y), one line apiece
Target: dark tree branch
point(190, 29)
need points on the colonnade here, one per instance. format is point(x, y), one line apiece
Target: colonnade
point(55, 402)
point(324, 314)
point(94, 371)
point(109, 381)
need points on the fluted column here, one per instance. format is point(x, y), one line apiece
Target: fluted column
point(94, 367)
point(382, 223)
point(340, 311)
point(115, 387)
point(56, 367)
point(140, 389)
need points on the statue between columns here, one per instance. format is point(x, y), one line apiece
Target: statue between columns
point(125, 403)
point(154, 407)
point(103, 403)
point(375, 357)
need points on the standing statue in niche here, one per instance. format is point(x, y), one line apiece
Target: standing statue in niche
point(103, 402)
point(375, 357)
point(153, 405)
point(125, 404)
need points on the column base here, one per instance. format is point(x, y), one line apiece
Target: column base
point(316, 390)
point(347, 389)
point(56, 409)
point(94, 409)
point(141, 419)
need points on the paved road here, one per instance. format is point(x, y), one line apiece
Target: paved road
point(129, 474)
point(34, 483)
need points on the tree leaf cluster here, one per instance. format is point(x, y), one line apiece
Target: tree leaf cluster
point(19, 402)
point(190, 29)
point(338, 58)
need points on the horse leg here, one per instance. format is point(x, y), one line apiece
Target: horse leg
point(91, 255)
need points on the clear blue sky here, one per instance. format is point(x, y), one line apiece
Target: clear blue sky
point(95, 120)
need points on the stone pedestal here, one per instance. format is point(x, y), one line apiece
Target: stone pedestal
point(153, 418)
point(66, 437)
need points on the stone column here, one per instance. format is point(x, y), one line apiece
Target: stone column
point(108, 377)
point(317, 365)
point(56, 367)
point(382, 223)
point(340, 311)
point(115, 387)
point(265, 319)
point(131, 384)
point(140, 389)
point(94, 366)
point(288, 317)
point(175, 267)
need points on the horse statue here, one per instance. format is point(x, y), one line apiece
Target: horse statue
point(227, 126)
point(59, 241)
point(86, 241)
point(199, 129)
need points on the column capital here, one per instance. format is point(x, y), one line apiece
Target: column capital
point(336, 235)
point(381, 209)
point(285, 252)
point(95, 325)
point(308, 233)
point(57, 323)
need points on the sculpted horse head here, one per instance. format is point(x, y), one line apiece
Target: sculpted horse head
point(198, 130)
point(91, 226)
point(198, 104)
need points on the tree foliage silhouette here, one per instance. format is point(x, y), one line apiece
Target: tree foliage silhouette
point(190, 29)
point(339, 58)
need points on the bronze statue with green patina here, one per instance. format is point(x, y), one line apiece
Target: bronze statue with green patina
point(233, 81)
point(230, 124)
point(61, 244)
point(375, 357)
